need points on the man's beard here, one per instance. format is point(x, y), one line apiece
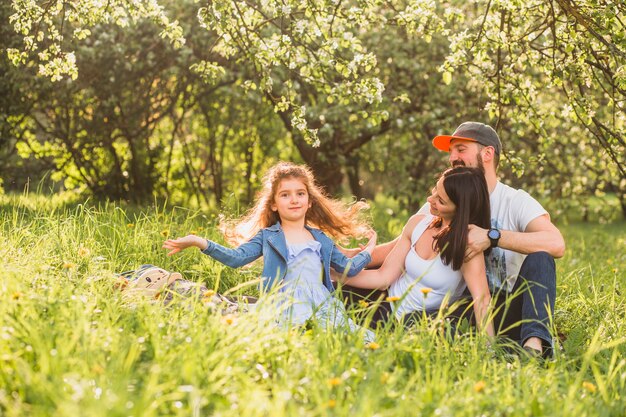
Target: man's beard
point(479, 162)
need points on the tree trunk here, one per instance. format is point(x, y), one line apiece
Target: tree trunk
point(249, 170)
point(141, 182)
point(354, 179)
point(327, 173)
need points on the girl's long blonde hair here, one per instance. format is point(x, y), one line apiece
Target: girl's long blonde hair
point(331, 216)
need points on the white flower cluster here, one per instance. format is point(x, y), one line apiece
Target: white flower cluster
point(369, 90)
point(76, 19)
point(59, 67)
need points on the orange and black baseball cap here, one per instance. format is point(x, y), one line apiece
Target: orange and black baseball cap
point(474, 131)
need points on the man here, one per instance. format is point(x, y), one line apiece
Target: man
point(520, 267)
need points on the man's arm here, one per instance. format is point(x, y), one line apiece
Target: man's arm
point(540, 236)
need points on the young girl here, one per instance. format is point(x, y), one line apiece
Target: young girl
point(288, 226)
point(427, 266)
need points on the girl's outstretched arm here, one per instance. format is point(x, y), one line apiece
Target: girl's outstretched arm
point(182, 243)
point(243, 255)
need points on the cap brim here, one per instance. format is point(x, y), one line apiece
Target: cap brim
point(442, 142)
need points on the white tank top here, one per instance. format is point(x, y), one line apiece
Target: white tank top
point(421, 273)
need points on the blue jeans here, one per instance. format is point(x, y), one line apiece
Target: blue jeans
point(524, 312)
point(519, 315)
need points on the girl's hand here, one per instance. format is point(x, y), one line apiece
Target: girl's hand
point(349, 252)
point(176, 245)
point(371, 244)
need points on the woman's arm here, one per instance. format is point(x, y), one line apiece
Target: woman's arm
point(352, 266)
point(393, 266)
point(475, 277)
point(379, 253)
point(242, 255)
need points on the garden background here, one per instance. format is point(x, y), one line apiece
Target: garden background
point(124, 122)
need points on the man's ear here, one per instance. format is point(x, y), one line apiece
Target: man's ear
point(488, 153)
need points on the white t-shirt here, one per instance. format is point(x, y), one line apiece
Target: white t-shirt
point(511, 209)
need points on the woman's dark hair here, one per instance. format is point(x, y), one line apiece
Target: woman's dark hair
point(467, 189)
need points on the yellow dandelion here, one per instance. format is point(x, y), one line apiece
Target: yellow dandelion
point(372, 346)
point(83, 252)
point(392, 299)
point(130, 225)
point(426, 290)
point(208, 295)
point(17, 295)
point(69, 265)
point(165, 232)
point(97, 369)
point(480, 386)
point(333, 382)
point(363, 303)
point(589, 387)
point(385, 377)
point(332, 403)
point(615, 270)
point(193, 232)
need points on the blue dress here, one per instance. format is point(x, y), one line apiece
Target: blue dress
point(304, 295)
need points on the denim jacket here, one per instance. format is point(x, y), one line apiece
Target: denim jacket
point(270, 242)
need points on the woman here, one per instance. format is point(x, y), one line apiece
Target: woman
point(427, 267)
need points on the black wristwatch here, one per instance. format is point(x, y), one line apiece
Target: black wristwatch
point(494, 236)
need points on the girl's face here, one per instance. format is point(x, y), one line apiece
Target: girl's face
point(440, 204)
point(291, 200)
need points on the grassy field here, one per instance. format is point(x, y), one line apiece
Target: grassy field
point(71, 345)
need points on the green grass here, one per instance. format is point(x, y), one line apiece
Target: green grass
point(71, 345)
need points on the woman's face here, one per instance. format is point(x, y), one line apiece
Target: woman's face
point(440, 204)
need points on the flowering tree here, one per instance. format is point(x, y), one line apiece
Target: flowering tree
point(555, 74)
point(550, 75)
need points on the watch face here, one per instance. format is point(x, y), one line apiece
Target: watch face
point(493, 234)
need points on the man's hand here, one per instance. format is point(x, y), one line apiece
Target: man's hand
point(176, 245)
point(477, 241)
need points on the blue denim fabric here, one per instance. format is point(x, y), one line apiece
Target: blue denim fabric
point(523, 313)
point(520, 314)
point(270, 243)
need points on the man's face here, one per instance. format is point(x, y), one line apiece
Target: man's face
point(465, 153)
